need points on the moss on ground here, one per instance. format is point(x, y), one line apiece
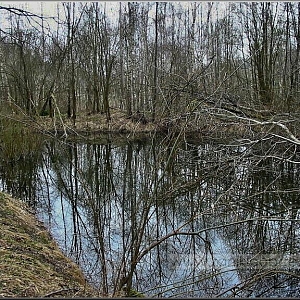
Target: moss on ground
point(31, 263)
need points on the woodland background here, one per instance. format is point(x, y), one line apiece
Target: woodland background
point(161, 59)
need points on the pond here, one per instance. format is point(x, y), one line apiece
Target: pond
point(169, 217)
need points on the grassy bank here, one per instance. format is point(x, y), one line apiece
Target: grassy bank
point(31, 264)
point(96, 124)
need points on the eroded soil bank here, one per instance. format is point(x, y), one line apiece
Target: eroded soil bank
point(31, 264)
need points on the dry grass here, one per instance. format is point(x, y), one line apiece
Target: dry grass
point(31, 264)
point(92, 125)
point(95, 123)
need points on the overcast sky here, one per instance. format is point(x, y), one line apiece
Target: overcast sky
point(49, 8)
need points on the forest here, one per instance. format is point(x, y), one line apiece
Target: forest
point(172, 63)
point(184, 179)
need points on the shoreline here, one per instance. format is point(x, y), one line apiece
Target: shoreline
point(31, 263)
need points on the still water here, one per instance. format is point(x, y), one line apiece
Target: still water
point(169, 217)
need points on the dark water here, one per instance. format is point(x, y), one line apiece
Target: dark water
point(167, 217)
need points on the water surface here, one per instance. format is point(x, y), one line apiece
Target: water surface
point(169, 217)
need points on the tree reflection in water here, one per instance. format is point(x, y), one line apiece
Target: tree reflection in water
point(169, 217)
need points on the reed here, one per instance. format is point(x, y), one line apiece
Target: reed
point(17, 140)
